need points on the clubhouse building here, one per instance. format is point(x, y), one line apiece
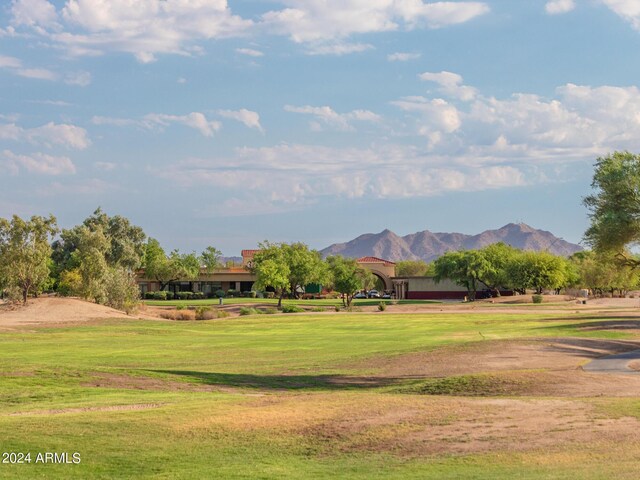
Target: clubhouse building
point(240, 279)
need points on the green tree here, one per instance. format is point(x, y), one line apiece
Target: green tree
point(367, 279)
point(25, 251)
point(210, 259)
point(614, 208)
point(538, 271)
point(345, 277)
point(465, 268)
point(168, 268)
point(90, 257)
point(602, 273)
point(498, 256)
point(300, 265)
point(412, 268)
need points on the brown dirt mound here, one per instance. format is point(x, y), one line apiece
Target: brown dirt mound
point(54, 310)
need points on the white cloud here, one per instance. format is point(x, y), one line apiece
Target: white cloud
point(327, 20)
point(81, 79)
point(15, 66)
point(69, 136)
point(329, 117)
point(105, 166)
point(249, 52)
point(555, 7)
point(194, 120)
point(338, 49)
point(247, 117)
point(286, 177)
point(627, 9)
point(403, 56)
point(39, 163)
point(9, 62)
point(143, 28)
point(451, 84)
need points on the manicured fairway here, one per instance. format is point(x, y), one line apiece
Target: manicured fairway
point(280, 397)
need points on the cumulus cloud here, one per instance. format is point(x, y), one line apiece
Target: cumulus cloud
point(144, 29)
point(402, 56)
point(627, 9)
point(81, 79)
point(69, 136)
point(555, 7)
point(450, 84)
point(247, 117)
point(328, 20)
point(38, 163)
point(329, 117)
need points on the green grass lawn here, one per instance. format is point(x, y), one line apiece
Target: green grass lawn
point(250, 398)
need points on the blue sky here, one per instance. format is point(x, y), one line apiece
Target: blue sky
point(225, 123)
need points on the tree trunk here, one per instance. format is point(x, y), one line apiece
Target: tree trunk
point(25, 292)
point(280, 300)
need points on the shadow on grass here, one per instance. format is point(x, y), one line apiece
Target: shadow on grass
point(591, 347)
point(285, 382)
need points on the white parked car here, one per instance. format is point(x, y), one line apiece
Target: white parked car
point(374, 294)
point(359, 295)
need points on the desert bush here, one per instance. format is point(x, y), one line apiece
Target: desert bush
point(537, 298)
point(178, 315)
point(249, 311)
point(337, 308)
point(202, 313)
point(270, 310)
point(382, 306)
point(180, 307)
point(222, 314)
point(318, 309)
point(292, 309)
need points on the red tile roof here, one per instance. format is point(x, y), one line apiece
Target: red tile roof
point(248, 253)
point(374, 260)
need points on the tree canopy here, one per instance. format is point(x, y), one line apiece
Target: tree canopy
point(614, 208)
point(25, 253)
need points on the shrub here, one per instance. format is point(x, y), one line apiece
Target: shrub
point(270, 310)
point(537, 298)
point(292, 309)
point(204, 313)
point(219, 293)
point(180, 307)
point(231, 293)
point(178, 315)
point(222, 314)
point(185, 295)
point(318, 309)
point(382, 306)
point(198, 296)
point(70, 282)
point(249, 294)
point(269, 295)
point(148, 295)
point(249, 311)
point(337, 307)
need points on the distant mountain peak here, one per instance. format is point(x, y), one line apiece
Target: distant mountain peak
point(426, 245)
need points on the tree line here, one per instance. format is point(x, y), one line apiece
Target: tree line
point(98, 259)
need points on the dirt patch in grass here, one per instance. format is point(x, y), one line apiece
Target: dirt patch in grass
point(533, 367)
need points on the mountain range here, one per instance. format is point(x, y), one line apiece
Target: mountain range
point(427, 245)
